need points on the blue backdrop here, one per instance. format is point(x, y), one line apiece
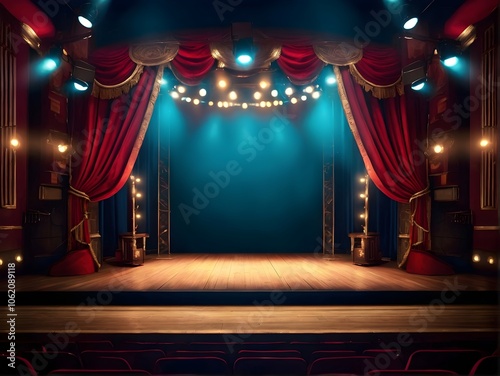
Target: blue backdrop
point(250, 181)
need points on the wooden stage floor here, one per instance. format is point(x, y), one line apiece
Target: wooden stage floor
point(260, 293)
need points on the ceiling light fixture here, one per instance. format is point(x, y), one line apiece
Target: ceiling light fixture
point(88, 15)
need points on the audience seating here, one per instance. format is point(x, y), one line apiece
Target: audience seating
point(44, 362)
point(138, 359)
point(411, 372)
point(341, 365)
point(486, 366)
point(204, 365)
point(98, 372)
point(22, 367)
point(387, 359)
point(254, 358)
point(109, 363)
point(269, 365)
point(459, 361)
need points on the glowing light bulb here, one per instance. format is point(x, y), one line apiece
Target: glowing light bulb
point(294, 100)
point(438, 149)
point(289, 91)
point(484, 142)
point(203, 92)
point(476, 258)
point(244, 106)
point(274, 93)
point(181, 89)
point(62, 148)
point(14, 143)
point(222, 84)
point(263, 84)
point(233, 96)
point(257, 95)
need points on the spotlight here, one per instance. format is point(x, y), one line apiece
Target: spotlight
point(415, 74)
point(79, 85)
point(53, 59)
point(419, 84)
point(243, 51)
point(233, 96)
point(257, 95)
point(203, 92)
point(476, 258)
point(222, 84)
point(274, 93)
point(88, 15)
point(309, 89)
point(263, 84)
point(294, 100)
point(82, 75)
point(303, 98)
point(174, 95)
point(316, 95)
point(409, 17)
point(289, 91)
point(196, 101)
point(244, 106)
point(243, 47)
point(181, 89)
point(449, 51)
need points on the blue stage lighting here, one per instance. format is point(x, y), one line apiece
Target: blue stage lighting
point(243, 51)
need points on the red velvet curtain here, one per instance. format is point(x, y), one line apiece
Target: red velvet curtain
point(193, 62)
point(105, 152)
point(300, 63)
point(390, 144)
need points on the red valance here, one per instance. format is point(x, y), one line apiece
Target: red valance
point(300, 63)
point(193, 62)
point(112, 65)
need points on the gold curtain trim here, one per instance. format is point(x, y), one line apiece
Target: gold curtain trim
point(77, 229)
point(378, 91)
point(351, 121)
point(114, 91)
point(153, 54)
point(338, 53)
point(76, 192)
point(148, 113)
point(421, 193)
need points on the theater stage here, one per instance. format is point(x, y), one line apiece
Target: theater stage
point(258, 293)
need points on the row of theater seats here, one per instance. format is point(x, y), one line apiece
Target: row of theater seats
point(266, 358)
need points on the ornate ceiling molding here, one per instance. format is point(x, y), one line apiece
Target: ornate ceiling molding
point(154, 53)
point(338, 53)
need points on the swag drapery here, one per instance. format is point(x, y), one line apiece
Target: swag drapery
point(127, 84)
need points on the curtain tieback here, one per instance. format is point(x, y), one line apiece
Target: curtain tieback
point(77, 193)
point(423, 192)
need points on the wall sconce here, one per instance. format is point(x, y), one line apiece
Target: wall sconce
point(14, 144)
point(484, 143)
